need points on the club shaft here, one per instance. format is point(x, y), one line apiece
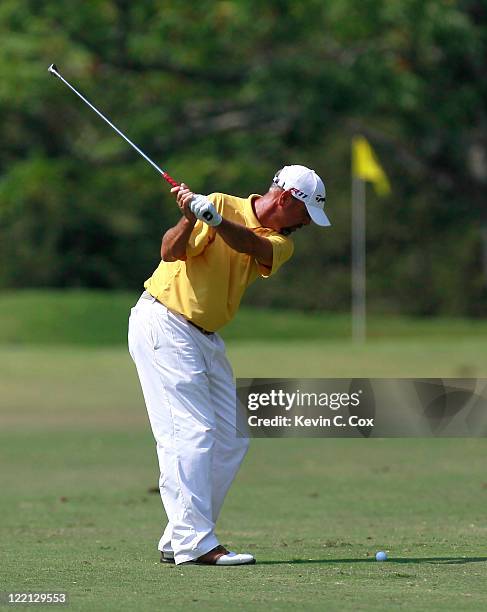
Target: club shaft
point(165, 175)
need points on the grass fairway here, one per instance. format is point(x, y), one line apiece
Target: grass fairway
point(77, 516)
point(78, 462)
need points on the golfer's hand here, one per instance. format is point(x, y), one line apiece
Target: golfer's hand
point(205, 210)
point(184, 197)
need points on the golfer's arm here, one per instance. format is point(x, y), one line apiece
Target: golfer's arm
point(243, 240)
point(175, 240)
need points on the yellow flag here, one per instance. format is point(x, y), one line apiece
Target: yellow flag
point(366, 166)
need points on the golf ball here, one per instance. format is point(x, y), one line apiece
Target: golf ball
point(381, 556)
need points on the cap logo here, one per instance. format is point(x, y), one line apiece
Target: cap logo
point(298, 192)
point(320, 198)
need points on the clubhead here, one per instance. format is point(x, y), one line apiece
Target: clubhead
point(53, 69)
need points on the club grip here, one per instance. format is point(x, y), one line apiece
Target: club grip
point(170, 180)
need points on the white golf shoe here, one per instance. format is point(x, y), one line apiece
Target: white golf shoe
point(232, 558)
point(217, 556)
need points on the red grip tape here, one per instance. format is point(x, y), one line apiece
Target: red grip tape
point(170, 180)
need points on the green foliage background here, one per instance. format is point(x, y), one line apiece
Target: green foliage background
point(222, 93)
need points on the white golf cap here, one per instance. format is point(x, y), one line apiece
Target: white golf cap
point(306, 186)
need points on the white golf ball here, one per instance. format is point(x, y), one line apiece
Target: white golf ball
point(381, 556)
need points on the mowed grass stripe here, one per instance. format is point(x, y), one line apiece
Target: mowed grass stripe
point(53, 387)
point(95, 318)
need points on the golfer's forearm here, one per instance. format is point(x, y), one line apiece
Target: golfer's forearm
point(243, 240)
point(175, 240)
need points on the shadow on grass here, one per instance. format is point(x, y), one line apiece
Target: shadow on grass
point(433, 560)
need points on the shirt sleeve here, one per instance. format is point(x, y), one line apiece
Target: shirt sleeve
point(202, 234)
point(282, 250)
point(199, 239)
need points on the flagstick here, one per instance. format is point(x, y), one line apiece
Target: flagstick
point(358, 261)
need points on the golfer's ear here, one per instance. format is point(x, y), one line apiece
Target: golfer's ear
point(285, 198)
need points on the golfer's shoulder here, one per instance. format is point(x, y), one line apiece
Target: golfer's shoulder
point(226, 200)
point(231, 207)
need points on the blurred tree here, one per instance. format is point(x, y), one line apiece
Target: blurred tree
point(223, 93)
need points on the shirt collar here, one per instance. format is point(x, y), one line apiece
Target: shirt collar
point(249, 211)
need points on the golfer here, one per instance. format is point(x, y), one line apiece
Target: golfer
point(220, 245)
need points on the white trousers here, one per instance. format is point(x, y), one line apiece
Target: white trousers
point(189, 392)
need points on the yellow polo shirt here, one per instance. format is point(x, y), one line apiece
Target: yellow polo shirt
point(208, 286)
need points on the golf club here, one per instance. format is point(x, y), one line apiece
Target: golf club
point(54, 70)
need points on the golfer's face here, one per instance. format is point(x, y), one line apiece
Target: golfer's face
point(294, 216)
